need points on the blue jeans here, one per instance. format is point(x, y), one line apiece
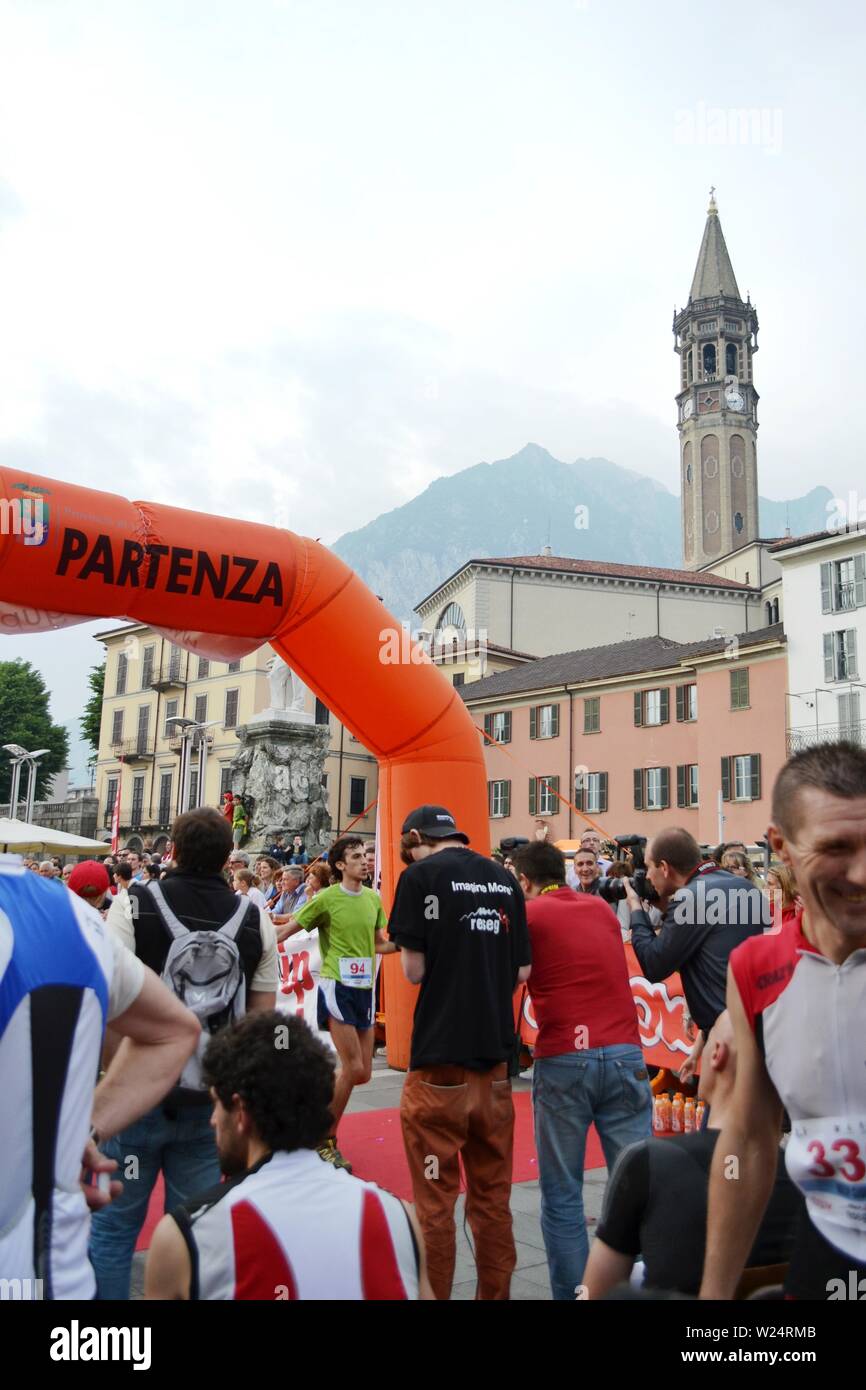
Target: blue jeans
point(184, 1149)
point(604, 1085)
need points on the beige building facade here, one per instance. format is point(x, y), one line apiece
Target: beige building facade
point(149, 681)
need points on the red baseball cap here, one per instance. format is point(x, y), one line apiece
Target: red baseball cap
point(88, 879)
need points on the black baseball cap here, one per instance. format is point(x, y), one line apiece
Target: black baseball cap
point(435, 822)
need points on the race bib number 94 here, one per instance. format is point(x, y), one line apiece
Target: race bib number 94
point(827, 1160)
point(356, 971)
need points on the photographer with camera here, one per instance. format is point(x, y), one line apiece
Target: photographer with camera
point(707, 913)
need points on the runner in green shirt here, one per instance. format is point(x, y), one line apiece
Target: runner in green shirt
point(351, 924)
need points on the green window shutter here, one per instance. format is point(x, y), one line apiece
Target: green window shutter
point(851, 650)
point(666, 787)
point(665, 706)
point(827, 587)
point(602, 792)
point(507, 799)
point(638, 708)
point(755, 774)
point(533, 796)
point(638, 789)
point(490, 798)
point(829, 672)
point(554, 787)
point(860, 580)
point(488, 725)
point(682, 799)
point(533, 722)
point(506, 736)
point(726, 779)
point(555, 722)
point(681, 703)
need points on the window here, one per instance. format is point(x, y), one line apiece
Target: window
point(459, 678)
point(687, 703)
point(357, 795)
point(452, 616)
point(147, 667)
point(651, 788)
point(203, 668)
point(193, 790)
point(731, 359)
point(840, 655)
point(137, 801)
point(651, 706)
point(740, 688)
point(200, 710)
point(111, 786)
point(165, 779)
point(543, 796)
point(225, 778)
point(590, 791)
point(843, 584)
point(174, 663)
point(499, 798)
point(544, 721)
point(231, 715)
point(233, 667)
point(709, 359)
point(117, 727)
point(170, 730)
point(498, 727)
point(143, 728)
point(122, 669)
point(323, 714)
point(687, 784)
point(592, 715)
point(741, 777)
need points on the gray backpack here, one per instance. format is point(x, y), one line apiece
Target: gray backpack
point(205, 971)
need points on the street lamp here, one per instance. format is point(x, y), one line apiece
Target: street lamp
point(188, 729)
point(20, 756)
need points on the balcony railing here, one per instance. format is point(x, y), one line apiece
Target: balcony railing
point(134, 749)
point(167, 676)
point(175, 741)
point(843, 597)
point(798, 739)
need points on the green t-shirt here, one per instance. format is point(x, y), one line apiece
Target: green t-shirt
point(347, 924)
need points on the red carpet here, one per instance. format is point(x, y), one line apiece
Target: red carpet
point(373, 1143)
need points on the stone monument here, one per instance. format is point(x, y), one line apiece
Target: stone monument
point(278, 767)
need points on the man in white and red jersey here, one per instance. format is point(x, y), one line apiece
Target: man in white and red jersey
point(285, 1225)
point(797, 999)
point(62, 979)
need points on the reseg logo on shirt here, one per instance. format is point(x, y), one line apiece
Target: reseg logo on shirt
point(486, 919)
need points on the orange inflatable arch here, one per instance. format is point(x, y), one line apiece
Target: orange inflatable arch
point(220, 588)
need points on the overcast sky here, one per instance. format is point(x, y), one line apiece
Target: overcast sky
point(293, 259)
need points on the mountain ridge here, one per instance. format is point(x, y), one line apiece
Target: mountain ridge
point(590, 509)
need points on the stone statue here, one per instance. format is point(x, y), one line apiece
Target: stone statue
point(279, 675)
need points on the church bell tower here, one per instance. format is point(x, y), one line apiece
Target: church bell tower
point(716, 337)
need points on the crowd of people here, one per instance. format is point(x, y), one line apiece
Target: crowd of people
point(159, 972)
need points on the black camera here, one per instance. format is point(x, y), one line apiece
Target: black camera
point(613, 889)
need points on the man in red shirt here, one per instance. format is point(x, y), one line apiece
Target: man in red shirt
point(589, 1067)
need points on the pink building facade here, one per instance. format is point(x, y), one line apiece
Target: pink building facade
point(639, 736)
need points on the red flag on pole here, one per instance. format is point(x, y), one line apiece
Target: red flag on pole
point(115, 818)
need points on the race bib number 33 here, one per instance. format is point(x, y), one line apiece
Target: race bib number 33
point(827, 1160)
point(356, 971)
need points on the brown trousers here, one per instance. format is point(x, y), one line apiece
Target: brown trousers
point(449, 1112)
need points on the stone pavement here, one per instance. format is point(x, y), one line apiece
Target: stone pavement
point(530, 1281)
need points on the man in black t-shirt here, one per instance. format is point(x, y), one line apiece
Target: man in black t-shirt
point(656, 1201)
point(460, 921)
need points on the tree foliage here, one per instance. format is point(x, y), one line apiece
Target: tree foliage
point(92, 717)
point(25, 718)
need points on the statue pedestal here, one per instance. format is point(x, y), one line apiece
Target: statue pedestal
point(281, 717)
point(278, 773)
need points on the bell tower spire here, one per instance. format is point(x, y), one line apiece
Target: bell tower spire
point(716, 337)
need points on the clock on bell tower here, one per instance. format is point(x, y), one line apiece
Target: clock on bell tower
point(716, 337)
